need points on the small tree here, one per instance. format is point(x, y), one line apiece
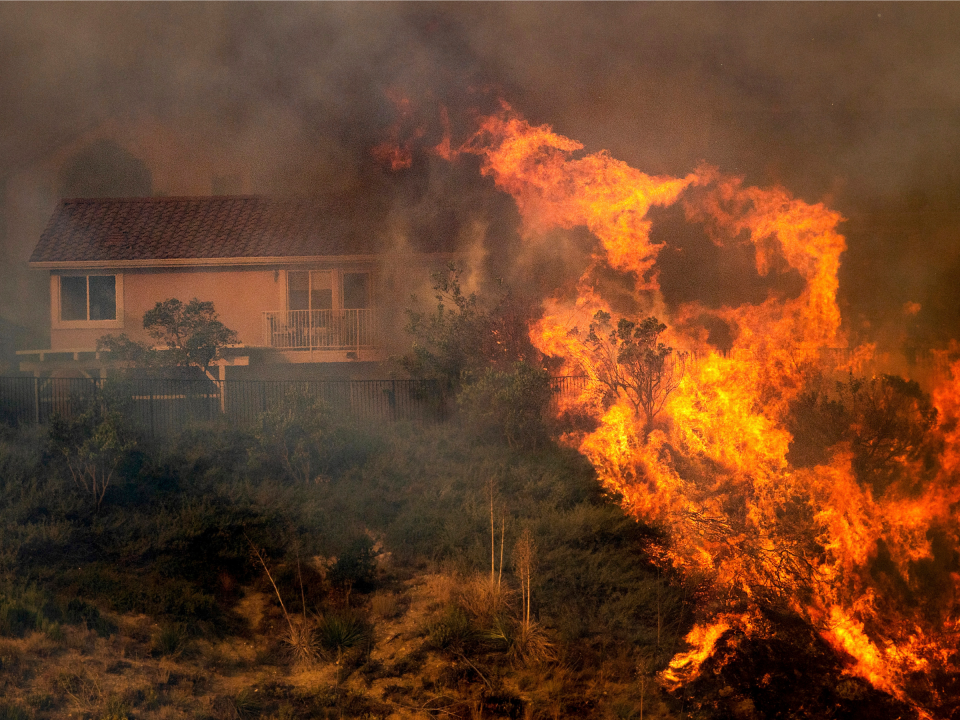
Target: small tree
point(188, 335)
point(630, 361)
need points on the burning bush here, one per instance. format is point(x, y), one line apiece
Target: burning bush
point(839, 507)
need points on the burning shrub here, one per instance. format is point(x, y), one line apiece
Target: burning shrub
point(629, 361)
point(865, 503)
point(886, 420)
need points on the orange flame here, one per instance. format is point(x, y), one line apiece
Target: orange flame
point(715, 472)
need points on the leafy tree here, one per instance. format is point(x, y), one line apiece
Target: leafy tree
point(631, 362)
point(188, 335)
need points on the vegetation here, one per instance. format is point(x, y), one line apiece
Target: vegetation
point(887, 421)
point(467, 332)
point(202, 540)
point(630, 361)
point(91, 444)
point(188, 335)
point(477, 350)
point(310, 567)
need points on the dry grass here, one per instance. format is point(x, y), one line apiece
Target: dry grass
point(400, 674)
point(484, 598)
point(385, 606)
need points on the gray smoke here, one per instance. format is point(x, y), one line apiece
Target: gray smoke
point(854, 104)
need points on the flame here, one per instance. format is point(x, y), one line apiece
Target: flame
point(714, 472)
point(554, 189)
point(397, 152)
point(702, 640)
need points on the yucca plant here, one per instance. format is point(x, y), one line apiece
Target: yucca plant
point(300, 638)
point(338, 634)
point(452, 633)
point(171, 640)
point(247, 704)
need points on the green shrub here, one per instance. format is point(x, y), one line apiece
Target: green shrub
point(92, 444)
point(172, 639)
point(453, 632)
point(81, 613)
point(507, 404)
point(338, 632)
point(356, 566)
point(297, 435)
point(248, 703)
point(116, 709)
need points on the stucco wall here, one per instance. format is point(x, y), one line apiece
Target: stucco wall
point(240, 296)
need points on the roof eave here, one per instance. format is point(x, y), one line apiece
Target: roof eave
point(235, 261)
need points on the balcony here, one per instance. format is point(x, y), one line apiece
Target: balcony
point(321, 330)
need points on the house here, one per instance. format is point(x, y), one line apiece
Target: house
point(130, 155)
point(305, 290)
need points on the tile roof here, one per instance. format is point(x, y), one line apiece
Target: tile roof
point(83, 230)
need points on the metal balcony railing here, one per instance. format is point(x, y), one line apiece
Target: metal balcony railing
point(320, 329)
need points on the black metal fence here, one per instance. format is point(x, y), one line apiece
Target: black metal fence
point(159, 406)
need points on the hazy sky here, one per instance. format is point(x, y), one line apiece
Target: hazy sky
point(856, 104)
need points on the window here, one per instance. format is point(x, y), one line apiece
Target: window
point(85, 298)
point(356, 291)
point(328, 290)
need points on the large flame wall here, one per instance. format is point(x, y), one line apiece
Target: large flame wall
point(715, 472)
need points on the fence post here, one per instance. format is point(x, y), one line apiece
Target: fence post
point(153, 431)
point(36, 399)
point(223, 389)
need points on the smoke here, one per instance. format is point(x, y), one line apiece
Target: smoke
point(855, 104)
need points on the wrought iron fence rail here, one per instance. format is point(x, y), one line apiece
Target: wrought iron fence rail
point(160, 406)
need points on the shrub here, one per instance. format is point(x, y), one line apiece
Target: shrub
point(13, 712)
point(92, 445)
point(248, 703)
point(17, 620)
point(82, 613)
point(466, 333)
point(507, 404)
point(887, 421)
point(356, 566)
point(298, 434)
point(172, 639)
point(340, 632)
point(453, 632)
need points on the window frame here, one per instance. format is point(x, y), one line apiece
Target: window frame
point(57, 321)
point(337, 293)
